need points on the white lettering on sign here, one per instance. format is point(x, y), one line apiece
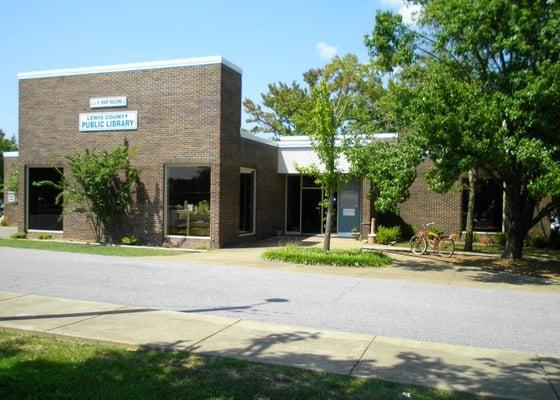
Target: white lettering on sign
point(108, 121)
point(105, 102)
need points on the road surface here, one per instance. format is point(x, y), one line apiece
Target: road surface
point(474, 316)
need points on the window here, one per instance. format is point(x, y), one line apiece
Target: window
point(188, 201)
point(43, 213)
point(488, 201)
point(247, 201)
point(293, 202)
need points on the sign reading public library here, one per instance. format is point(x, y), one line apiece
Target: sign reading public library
point(109, 121)
point(106, 102)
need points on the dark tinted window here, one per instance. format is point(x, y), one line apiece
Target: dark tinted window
point(246, 202)
point(293, 203)
point(43, 212)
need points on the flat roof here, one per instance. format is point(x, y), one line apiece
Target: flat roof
point(301, 141)
point(183, 62)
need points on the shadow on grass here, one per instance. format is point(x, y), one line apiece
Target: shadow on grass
point(47, 368)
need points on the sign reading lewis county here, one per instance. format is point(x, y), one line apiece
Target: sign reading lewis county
point(109, 121)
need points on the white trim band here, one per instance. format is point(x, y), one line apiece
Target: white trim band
point(7, 154)
point(184, 62)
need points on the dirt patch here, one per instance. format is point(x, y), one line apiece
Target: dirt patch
point(538, 268)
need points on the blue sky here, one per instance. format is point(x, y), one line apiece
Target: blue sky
point(271, 40)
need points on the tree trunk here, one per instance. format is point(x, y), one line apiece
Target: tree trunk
point(327, 240)
point(469, 228)
point(518, 211)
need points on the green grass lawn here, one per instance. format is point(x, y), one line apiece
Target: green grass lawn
point(86, 248)
point(44, 367)
point(315, 256)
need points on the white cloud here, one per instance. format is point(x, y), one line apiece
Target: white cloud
point(326, 51)
point(409, 12)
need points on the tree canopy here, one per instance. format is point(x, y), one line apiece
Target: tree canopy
point(344, 77)
point(477, 84)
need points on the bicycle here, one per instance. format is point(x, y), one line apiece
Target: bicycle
point(443, 245)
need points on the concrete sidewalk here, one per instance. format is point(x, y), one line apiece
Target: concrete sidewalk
point(488, 372)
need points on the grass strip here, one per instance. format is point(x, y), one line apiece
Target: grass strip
point(46, 367)
point(315, 256)
point(86, 248)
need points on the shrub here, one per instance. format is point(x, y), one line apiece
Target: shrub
point(19, 235)
point(407, 231)
point(130, 240)
point(539, 242)
point(436, 229)
point(386, 235)
point(3, 221)
point(45, 236)
point(315, 256)
point(500, 239)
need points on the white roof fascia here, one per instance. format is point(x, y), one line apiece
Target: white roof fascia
point(184, 62)
point(305, 141)
point(248, 135)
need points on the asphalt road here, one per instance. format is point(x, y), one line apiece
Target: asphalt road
point(506, 319)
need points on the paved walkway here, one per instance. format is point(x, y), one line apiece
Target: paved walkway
point(515, 375)
point(7, 231)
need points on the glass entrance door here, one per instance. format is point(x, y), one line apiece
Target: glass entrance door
point(311, 210)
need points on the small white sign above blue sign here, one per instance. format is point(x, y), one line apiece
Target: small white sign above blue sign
point(109, 121)
point(106, 102)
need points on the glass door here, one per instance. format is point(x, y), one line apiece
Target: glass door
point(311, 210)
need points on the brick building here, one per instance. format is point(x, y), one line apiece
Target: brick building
point(204, 181)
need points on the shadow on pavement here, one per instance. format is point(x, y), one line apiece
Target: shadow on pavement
point(137, 310)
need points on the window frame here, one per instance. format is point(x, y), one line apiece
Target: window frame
point(244, 170)
point(26, 188)
point(165, 198)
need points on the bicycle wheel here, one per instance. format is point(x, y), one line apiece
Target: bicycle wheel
point(446, 247)
point(418, 245)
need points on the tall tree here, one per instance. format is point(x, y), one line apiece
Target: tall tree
point(479, 87)
point(335, 100)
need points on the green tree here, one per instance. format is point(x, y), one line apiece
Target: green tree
point(5, 145)
point(477, 85)
point(282, 103)
point(99, 185)
point(336, 100)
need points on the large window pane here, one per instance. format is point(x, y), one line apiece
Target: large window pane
point(246, 202)
point(293, 202)
point(188, 201)
point(43, 213)
point(488, 201)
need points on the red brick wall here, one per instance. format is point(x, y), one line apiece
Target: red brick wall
point(425, 205)
point(179, 122)
point(186, 115)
